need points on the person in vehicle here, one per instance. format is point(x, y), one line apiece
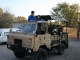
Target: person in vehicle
point(55, 31)
point(32, 18)
point(41, 25)
point(39, 18)
point(40, 29)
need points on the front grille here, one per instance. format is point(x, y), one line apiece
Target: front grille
point(18, 42)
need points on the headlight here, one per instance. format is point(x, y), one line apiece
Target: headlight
point(29, 51)
point(30, 40)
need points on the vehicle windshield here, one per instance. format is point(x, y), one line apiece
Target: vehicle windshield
point(24, 28)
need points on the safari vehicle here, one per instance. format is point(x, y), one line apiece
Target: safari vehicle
point(26, 39)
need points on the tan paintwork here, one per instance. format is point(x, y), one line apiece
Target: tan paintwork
point(39, 41)
point(54, 37)
point(36, 42)
point(24, 37)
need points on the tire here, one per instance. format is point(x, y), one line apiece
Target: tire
point(61, 49)
point(19, 54)
point(41, 54)
point(67, 44)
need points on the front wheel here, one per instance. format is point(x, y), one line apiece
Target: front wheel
point(41, 54)
point(19, 54)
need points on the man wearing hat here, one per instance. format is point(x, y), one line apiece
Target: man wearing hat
point(32, 18)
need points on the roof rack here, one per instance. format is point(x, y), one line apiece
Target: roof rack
point(50, 17)
point(45, 17)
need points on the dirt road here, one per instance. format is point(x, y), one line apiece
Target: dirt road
point(72, 53)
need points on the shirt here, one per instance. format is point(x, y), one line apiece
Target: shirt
point(33, 18)
point(41, 20)
point(42, 24)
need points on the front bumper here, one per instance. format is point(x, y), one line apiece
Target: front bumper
point(27, 51)
point(11, 47)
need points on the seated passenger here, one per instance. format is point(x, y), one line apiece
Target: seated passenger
point(40, 19)
point(55, 31)
point(42, 30)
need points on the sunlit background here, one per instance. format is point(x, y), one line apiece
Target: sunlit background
point(24, 7)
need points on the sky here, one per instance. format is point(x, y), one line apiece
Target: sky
point(24, 7)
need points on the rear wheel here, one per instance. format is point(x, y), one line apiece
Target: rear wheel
point(41, 54)
point(61, 49)
point(19, 54)
point(67, 43)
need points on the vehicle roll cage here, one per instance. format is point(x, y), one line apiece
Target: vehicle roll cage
point(51, 17)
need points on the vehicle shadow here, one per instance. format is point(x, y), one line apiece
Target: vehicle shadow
point(26, 58)
point(3, 43)
point(29, 58)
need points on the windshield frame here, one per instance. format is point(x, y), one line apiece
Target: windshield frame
point(24, 23)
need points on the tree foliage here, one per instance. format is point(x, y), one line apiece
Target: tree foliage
point(21, 19)
point(7, 18)
point(67, 11)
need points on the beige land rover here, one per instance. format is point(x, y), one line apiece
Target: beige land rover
point(28, 39)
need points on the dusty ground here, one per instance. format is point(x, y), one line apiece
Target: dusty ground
point(72, 53)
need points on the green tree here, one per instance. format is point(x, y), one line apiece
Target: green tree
point(67, 11)
point(6, 19)
point(1, 11)
point(20, 19)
